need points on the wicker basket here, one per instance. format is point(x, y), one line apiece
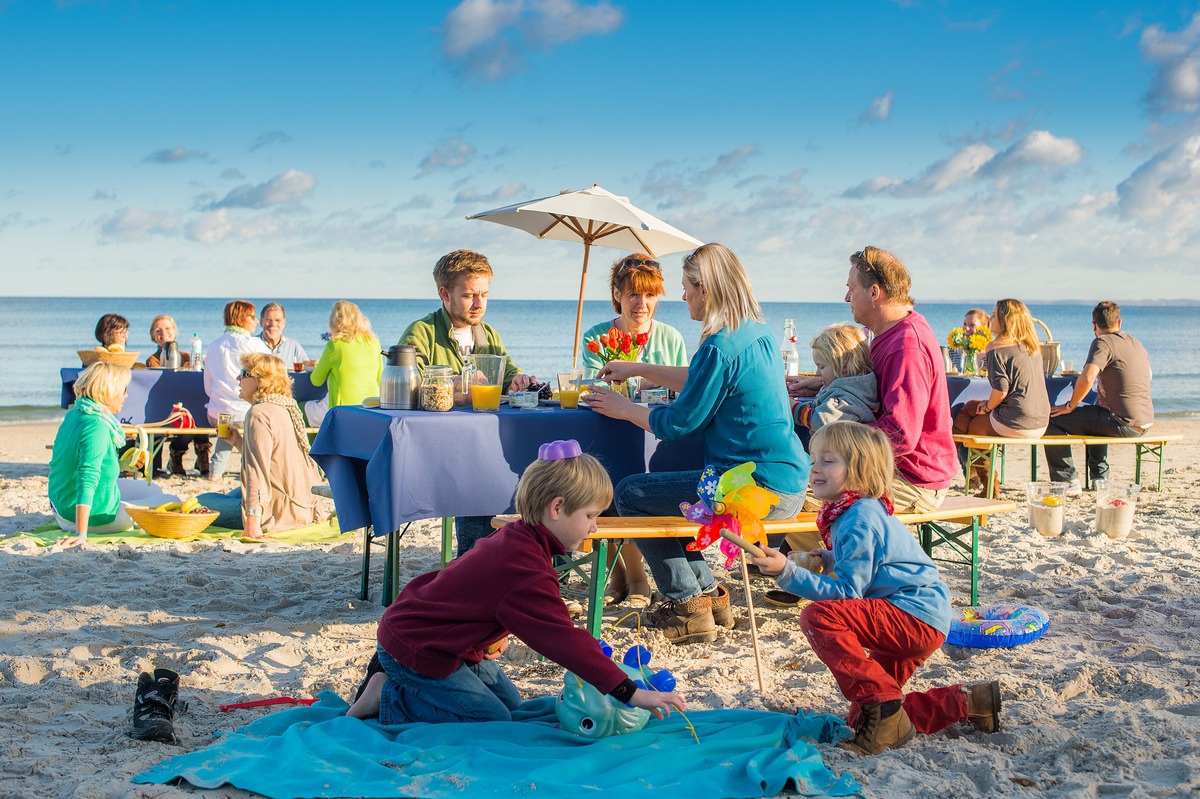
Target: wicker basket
point(171, 524)
point(89, 357)
point(1051, 351)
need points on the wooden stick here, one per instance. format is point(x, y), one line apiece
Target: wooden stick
point(750, 610)
point(746, 546)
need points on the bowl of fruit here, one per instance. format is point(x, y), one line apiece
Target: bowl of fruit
point(174, 519)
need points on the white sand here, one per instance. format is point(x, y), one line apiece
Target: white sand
point(1106, 704)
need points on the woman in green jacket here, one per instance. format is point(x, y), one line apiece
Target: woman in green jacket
point(84, 490)
point(351, 362)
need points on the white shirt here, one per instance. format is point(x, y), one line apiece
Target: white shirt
point(222, 365)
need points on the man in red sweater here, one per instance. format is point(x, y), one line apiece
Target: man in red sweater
point(915, 405)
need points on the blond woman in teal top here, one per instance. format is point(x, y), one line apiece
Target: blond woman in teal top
point(83, 486)
point(636, 283)
point(351, 362)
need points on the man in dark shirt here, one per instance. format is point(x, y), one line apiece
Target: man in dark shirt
point(1121, 367)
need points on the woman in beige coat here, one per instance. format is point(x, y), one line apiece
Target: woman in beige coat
point(277, 472)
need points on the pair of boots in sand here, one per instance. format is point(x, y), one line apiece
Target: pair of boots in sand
point(886, 726)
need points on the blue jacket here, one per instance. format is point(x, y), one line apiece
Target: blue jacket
point(875, 557)
point(736, 398)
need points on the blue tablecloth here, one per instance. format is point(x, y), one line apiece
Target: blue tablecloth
point(962, 389)
point(152, 392)
point(390, 467)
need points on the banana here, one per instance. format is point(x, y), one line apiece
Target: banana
point(170, 506)
point(189, 504)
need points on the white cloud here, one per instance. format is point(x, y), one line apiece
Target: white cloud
point(880, 110)
point(219, 226)
point(486, 38)
point(675, 185)
point(103, 196)
point(231, 173)
point(176, 155)
point(1165, 188)
point(1176, 84)
point(452, 153)
point(269, 138)
point(136, 224)
point(288, 188)
point(504, 192)
point(729, 164)
point(1039, 152)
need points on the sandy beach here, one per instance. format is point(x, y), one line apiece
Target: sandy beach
point(1106, 704)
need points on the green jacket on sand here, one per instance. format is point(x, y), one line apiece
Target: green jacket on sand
point(84, 469)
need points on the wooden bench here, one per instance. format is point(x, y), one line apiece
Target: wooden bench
point(1148, 447)
point(955, 525)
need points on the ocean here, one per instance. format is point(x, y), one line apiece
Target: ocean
point(45, 332)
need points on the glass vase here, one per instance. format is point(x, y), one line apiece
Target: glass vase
point(970, 362)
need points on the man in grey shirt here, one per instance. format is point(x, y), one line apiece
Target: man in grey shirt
point(1121, 367)
point(286, 349)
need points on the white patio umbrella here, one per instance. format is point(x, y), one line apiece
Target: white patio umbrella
point(592, 216)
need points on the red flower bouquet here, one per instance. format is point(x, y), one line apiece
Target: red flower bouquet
point(617, 345)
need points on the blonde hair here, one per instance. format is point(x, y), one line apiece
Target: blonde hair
point(270, 372)
point(238, 313)
point(347, 322)
point(103, 382)
point(581, 482)
point(870, 464)
point(1015, 321)
point(642, 278)
point(460, 262)
point(728, 295)
point(158, 319)
point(844, 348)
point(878, 267)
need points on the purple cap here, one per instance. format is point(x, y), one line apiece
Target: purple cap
point(557, 450)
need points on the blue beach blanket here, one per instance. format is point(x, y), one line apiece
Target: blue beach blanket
point(317, 751)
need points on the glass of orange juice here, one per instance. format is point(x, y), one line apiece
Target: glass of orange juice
point(487, 382)
point(224, 424)
point(568, 388)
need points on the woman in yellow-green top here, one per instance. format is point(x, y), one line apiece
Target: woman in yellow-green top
point(351, 362)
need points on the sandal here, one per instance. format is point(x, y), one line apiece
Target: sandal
point(638, 594)
point(783, 599)
point(615, 596)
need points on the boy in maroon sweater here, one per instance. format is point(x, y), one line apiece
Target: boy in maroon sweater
point(439, 641)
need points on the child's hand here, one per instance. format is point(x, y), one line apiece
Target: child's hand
point(772, 561)
point(657, 702)
point(494, 651)
point(813, 560)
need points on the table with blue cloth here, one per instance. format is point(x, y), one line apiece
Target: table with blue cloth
point(388, 468)
point(963, 389)
point(152, 392)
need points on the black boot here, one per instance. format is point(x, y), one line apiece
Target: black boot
point(154, 706)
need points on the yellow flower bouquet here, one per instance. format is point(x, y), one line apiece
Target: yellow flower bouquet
point(970, 346)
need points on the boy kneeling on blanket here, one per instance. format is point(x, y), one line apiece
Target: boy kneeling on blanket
point(439, 641)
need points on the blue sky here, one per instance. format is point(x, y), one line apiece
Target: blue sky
point(320, 149)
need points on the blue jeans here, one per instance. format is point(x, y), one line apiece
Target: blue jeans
point(221, 451)
point(1085, 420)
point(470, 693)
point(228, 505)
point(679, 573)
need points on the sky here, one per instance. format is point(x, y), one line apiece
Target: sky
point(1044, 151)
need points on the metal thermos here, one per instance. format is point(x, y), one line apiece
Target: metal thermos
point(947, 364)
point(171, 358)
point(400, 383)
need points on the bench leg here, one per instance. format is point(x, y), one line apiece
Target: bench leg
point(1151, 451)
point(447, 539)
point(595, 599)
point(969, 554)
point(1033, 463)
point(365, 583)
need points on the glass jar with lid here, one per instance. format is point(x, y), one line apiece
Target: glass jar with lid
point(437, 388)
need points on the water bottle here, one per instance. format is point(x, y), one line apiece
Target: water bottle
point(197, 353)
point(791, 356)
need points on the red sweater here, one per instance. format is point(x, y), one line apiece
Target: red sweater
point(505, 584)
point(915, 403)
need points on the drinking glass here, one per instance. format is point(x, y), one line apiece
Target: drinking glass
point(1068, 365)
point(568, 388)
point(224, 424)
point(487, 382)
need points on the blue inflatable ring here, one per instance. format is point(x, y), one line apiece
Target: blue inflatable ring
point(997, 626)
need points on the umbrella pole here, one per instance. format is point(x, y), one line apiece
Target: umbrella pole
point(587, 246)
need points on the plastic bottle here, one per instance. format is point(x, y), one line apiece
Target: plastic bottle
point(197, 353)
point(791, 356)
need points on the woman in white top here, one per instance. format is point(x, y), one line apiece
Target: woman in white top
point(222, 365)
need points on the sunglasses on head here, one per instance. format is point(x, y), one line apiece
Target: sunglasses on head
point(860, 260)
point(634, 263)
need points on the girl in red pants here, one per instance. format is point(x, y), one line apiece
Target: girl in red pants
point(879, 607)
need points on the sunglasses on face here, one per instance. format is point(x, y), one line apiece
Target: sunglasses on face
point(245, 375)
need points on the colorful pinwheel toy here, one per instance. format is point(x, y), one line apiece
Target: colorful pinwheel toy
point(732, 502)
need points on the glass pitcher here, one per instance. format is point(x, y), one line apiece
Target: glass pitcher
point(483, 377)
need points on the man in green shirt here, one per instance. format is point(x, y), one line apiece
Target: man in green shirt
point(456, 329)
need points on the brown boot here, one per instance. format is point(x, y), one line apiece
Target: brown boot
point(722, 613)
point(177, 462)
point(203, 449)
point(983, 705)
point(880, 727)
point(688, 622)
